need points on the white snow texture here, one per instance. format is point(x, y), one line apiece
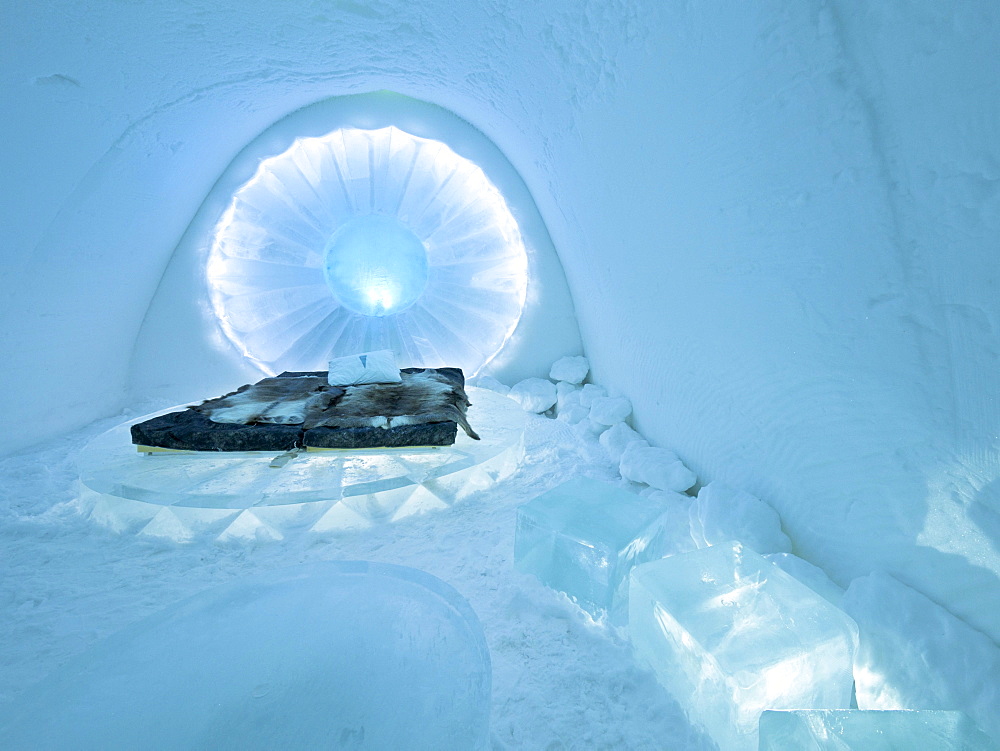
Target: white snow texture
point(771, 226)
point(534, 394)
point(572, 370)
point(659, 468)
point(722, 513)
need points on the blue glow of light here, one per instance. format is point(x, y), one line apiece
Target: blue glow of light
point(361, 240)
point(375, 266)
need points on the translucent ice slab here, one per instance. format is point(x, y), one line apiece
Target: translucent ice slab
point(914, 654)
point(870, 730)
point(584, 536)
point(231, 495)
point(730, 635)
point(337, 655)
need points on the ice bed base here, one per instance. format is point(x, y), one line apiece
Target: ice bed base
point(191, 431)
point(185, 496)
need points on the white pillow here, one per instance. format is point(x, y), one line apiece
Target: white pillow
point(369, 367)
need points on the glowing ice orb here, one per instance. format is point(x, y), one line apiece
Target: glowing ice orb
point(361, 240)
point(375, 265)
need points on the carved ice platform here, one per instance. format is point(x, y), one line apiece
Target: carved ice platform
point(184, 496)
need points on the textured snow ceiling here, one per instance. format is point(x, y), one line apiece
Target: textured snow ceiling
point(777, 222)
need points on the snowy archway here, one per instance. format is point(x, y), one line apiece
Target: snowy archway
point(269, 275)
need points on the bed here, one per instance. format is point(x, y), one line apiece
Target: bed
point(301, 410)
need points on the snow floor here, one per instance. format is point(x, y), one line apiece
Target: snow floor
point(560, 680)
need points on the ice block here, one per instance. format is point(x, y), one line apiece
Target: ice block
point(870, 730)
point(914, 654)
point(343, 654)
point(729, 635)
point(584, 536)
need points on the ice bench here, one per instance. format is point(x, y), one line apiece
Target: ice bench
point(584, 536)
point(729, 634)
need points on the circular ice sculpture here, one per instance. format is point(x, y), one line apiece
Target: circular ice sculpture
point(361, 240)
point(336, 655)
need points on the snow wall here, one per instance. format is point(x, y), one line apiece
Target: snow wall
point(778, 223)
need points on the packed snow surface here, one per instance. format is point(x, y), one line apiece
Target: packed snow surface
point(778, 222)
point(67, 584)
point(560, 679)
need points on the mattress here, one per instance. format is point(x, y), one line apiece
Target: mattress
point(298, 410)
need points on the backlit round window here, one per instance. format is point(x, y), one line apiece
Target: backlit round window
point(368, 239)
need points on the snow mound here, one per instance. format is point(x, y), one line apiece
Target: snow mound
point(656, 467)
point(534, 394)
point(722, 513)
point(589, 393)
point(608, 410)
point(570, 369)
point(618, 438)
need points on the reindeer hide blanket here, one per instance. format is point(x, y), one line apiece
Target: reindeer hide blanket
point(294, 410)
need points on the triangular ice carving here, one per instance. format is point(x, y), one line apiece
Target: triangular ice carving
point(247, 526)
point(340, 518)
point(118, 514)
point(421, 500)
point(167, 525)
point(291, 516)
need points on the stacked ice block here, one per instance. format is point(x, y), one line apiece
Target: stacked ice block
point(870, 730)
point(584, 536)
point(914, 654)
point(730, 635)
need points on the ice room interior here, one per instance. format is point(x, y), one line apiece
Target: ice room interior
point(492, 374)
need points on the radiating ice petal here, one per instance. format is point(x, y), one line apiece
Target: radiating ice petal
point(266, 266)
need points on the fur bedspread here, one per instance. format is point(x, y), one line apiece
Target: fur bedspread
point(422, 397)
point(272, 401)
